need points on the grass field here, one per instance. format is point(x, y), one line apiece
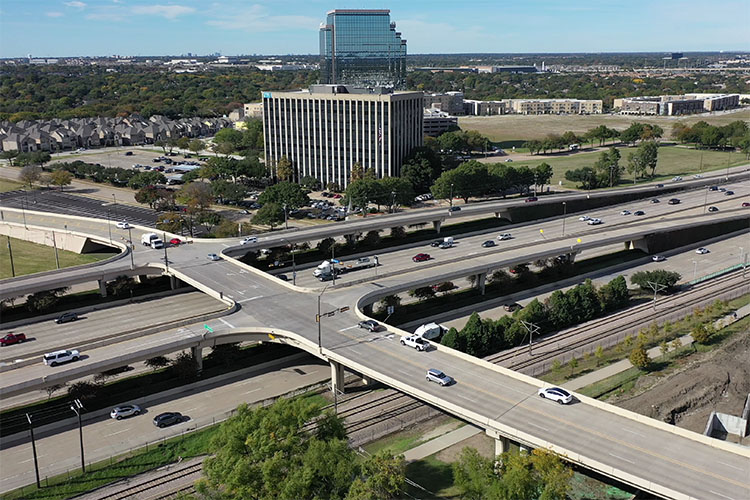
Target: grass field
point(673, 160)
point(9, 185)
point(29, 258)
point(504, 128)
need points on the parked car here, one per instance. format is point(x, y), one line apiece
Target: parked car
point(249, 239)
point(13, 338)
point(124, 411)
point(421, 257)
point(509, 160)
point(639, 212)
point(713, 209)
point(702, 250)
point(488, 243)
point(175, 241)
point(213, 256)
point(557, 394)
point(416, 342)
point(167, 418)
point(370, 325)
point(674, 201)
point(123, 225)
point(66, 317)
point(57, 357)
point(504, 236)
point(658, 258)
point(438, 377)
point(531, 198)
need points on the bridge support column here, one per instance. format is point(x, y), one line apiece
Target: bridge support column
point(502, 443)
point(140, 278)
point(571, 257)
point(481, 282)
point(103, 288)
point(174, 283)
point(368, 380)
point(436, 225)
point(197, 353)
point(640, 244)
point(337, 377)
point(350, 238)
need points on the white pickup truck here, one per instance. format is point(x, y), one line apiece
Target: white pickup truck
point(416, 342)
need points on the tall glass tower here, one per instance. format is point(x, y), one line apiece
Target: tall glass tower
point(362, 48)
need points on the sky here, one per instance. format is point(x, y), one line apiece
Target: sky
point(46, 28)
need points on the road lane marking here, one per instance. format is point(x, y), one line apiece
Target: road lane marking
point(348, 328)
point(621, 458)
point(119, 432)
point(537, 426)
point(632, 432)
point(253, 390)
point(251, 298)
point(724, 496)
point(732, 466)
point(226, 322)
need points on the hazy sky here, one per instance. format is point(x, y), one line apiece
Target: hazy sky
point(231, 27)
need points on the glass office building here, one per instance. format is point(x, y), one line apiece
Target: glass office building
point(362, 48)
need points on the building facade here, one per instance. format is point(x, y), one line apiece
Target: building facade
point(671, 105)
point(362, 48)
point(324, 131)
point(437, 122)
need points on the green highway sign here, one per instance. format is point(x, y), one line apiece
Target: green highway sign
point(208, 329)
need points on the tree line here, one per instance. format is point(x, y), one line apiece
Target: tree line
point(735, 135)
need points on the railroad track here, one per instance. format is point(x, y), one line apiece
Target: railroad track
point(550, 347)
point(142, 491)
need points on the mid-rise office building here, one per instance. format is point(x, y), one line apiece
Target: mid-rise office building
point(325, 130)
point(437, 122)
point(362, 48)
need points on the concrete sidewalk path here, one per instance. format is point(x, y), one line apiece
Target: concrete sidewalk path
point(441, 442)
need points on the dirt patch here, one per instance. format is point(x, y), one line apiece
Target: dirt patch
point(484, 444)
point(714, 381)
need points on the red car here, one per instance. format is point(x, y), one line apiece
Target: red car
point(745, 204)
point(175, 241)
point(531, 198)
point(421, 257)
point(11, 339)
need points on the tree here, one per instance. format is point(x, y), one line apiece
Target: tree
point(30, 174)
point(170, 222)
point(229, 136)
point(361, 192)
point(445, 287)
point(585, 175)
point(157, 362)
point(614, 295)
point(701, 333)
point(388, 301)
point(284, 169)
point(51, 389)
point(9, 155)
point(184, 366)
point(542, 175)
point(573, 364)
point(310, 182)
point(270, 214)
point(421, 168)
point(599, 354)
point(382, 476)
point(209, 220)
point(473, 474)
point(61, 178)
point(371, 239)
point(285, 193)
point(196, 146)
point(395, 191)
point(44, 300)
point(357, 172)
point(469, 179)
point(143, 179)
point(196, 195)
point(649, 152)
point(659, 276)
point(639, 357)
point(422, 293)
point(83, 390)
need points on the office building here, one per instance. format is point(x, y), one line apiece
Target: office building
point(672, 105)
point(437, 122)
point(325, 130)
point(362, 48)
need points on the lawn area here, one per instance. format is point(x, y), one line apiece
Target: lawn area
point(29, 258)
point(504, 128)
point(673, 160)
point(9, 185)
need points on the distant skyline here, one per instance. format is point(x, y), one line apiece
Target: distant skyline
point(56, 28)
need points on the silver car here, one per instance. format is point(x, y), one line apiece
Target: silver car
point(439, 377)
point(124, 411)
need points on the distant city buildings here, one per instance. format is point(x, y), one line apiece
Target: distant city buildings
point(672, 105)
point(362, 48)
point(325, 130)
point(455, 104)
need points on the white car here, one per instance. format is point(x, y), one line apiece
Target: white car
point(658, 258)
point(584, 218)
point(213, 256)
point(249, 239)
point(561, 396)
point(123, 225)
point(594, 222)
point(702, 250)
point(625, 212)
point(505, 236)
point(57, 357)
point(676, 178)
point(438, 377)
point(416, 342)
point(123, 411)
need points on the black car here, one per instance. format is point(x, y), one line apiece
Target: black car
point(674, 201)
point(729, 193)
point(488, 243)
point(713, 209)
point(713, 188)
point(654, 200)
point(167, 419)
point(639, 212)
point(454, 209)
point(128, 153)
point(436, 243)
point(66, 317)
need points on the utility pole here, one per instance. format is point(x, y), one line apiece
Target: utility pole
point(109, 227)
point(33, 449)
point(656, 287)
point(317, 319)
point(565, 212)
point(166, 259)
point(451, 200)
point(76, 406)
point(705, 201)
point(532, 329)
point(131, 246)
point(286, 220)
point(10, 253)
point(333, 265)
point(54, 244)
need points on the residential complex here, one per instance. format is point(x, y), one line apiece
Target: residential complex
point(455, 104)
point(671, 105)
point(362, 48)
point(325, 130)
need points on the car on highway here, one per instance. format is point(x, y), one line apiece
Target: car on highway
point(13, 338)
point(249, 239)
point(584, 218)
point(674, 201)
point(416, 342)
point(124, 411)
point(639, 212)
point(729, 193)
point(557, 394)
point(175, 241)
point(421, 257)
point(123, 225)
point(654, 200)
point(488, 244)
point(531, 198)
point(595, 221)
point(128, 153)
point(57, 357)
point(454, 209)
point(658, 258)
point(168, 418)
point(723, 189)
point(370, 325)
point(713, 209)
point(713, 188)
point(509, 160)
point(66, 317)
point(434, 375)
point(511, 307)
point(505, 236)
point(702, 250)
point(436, 243)
point(745, 204)
point(660, 185)
point(676, 178)
point(625, 212)
point(213, 256)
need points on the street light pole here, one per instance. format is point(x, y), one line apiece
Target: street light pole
point(109, 227)
point(77, 407)
point(132, 247)
point(656, 287)
point(318, 318)
point(705, 201)
point(286, 220)
point(565, 212)
point(33, 449)
point(695, 269)
point(451, 200)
